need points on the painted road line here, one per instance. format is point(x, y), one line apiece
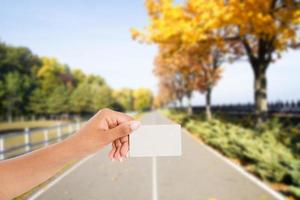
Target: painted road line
point(154, 179)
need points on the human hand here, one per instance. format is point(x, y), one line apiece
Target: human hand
point(105, 127)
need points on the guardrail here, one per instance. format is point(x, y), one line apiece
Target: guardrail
point(18, 143)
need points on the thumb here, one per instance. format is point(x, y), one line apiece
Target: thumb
point(123, 129)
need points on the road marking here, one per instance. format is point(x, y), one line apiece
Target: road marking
point(238, 168)
point(56, 180)
point(154, 179)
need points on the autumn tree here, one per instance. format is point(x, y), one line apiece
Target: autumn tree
point(261, 29)
point(174, 72)
point(55, 82)
point(266, 29)
point(199, 63)
point(143, 98)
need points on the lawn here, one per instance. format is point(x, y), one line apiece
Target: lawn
point(272, 153)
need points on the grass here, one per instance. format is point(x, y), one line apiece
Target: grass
point(6, 126)
point(271, 153)
point(35, 137)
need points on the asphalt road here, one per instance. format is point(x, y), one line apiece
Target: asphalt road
point(197, 175)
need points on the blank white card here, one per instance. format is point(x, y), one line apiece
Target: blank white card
point(156, 140)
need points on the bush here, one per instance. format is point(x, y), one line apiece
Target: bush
point(270, 153)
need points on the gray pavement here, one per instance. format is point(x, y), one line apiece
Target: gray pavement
point(197, 175)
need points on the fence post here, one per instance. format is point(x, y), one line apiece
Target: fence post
point(58, 133)
point(46, 138)
point(70, 129)
point(27, 139)
point(2, 148)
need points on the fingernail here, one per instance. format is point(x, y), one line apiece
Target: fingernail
point(135, 125)
point(127, 155)
point(121, 159)
point(112, 160)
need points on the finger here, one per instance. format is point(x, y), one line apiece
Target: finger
point(124, 149)
point(124, 139)
point(112, 151)
point(122, 130)
point(121, 117)
point(112, 123)
point(117, 153)
point(125, 146)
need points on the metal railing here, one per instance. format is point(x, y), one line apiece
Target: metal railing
point(21, 142)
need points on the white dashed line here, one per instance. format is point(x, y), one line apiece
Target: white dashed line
point(154, 179)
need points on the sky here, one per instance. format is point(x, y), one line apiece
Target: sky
point(93, 35)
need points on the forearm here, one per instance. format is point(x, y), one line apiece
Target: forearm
point(20, 174)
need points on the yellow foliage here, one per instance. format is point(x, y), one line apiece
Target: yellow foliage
point(201, 33)
point(142, 99)
point(199, 20)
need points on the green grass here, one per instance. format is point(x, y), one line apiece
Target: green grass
point(271, 153)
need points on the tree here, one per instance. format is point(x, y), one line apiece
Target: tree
point(124, 97)
point(52, 74)
point(81, 99)
point(274, 30)
point(12, 86)
point(78, 76)
point(259, 29)
point(43, 86)
point(90, 95)
point(18, 66)
point(56, 81)
point(174, 70)
point(58, 101)
point(184, 71)
point(38, 102)
point(167, 28)
point(102, 96)
point(142, 99)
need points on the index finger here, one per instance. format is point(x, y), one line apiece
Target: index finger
point(122, 117)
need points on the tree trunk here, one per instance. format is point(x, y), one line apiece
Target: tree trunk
point(208, 104)
point(260, 94)
point(190, 109)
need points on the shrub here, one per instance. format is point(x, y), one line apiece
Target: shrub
point(269, 153)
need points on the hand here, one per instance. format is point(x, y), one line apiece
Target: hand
point(105, 127)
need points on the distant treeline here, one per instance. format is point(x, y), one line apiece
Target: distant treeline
point(40, 86)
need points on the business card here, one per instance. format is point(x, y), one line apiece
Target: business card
point(156, 140)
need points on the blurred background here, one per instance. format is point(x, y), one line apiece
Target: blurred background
point(228, 72)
